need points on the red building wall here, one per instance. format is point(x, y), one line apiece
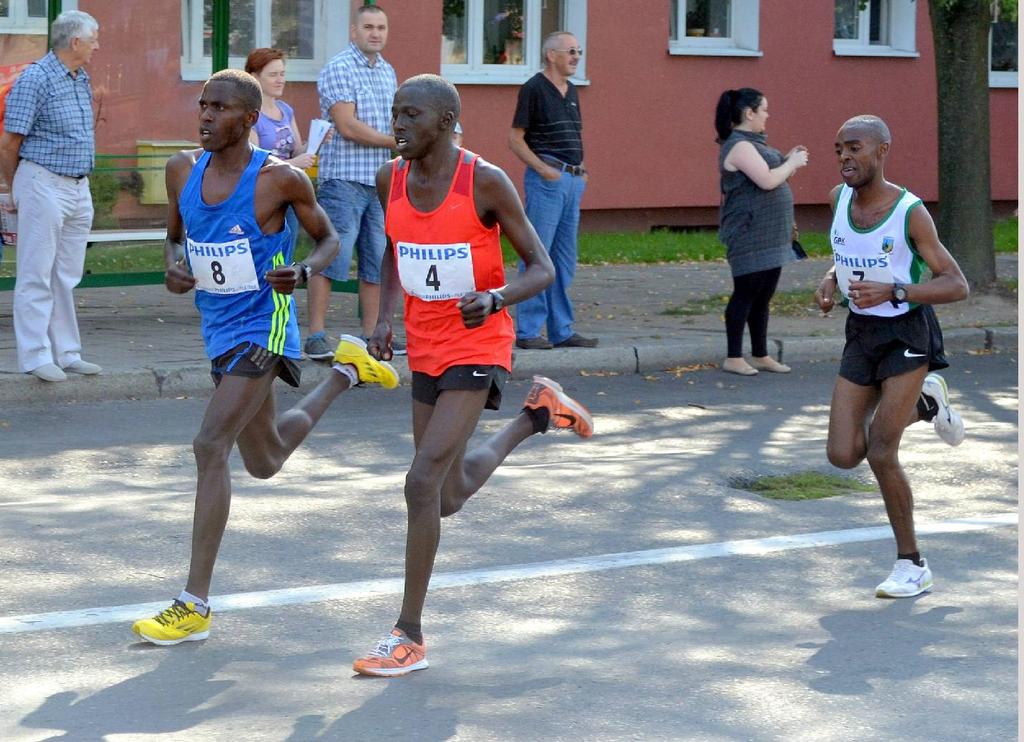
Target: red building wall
point(648, 115)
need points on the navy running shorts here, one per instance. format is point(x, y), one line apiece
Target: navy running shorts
point(253, 361)
point(880, 347)
point(427, 388)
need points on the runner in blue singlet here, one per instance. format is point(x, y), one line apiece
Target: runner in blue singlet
point(227, 238)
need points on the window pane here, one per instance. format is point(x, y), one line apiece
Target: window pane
point(707, 17)
point(551, 18)
point(5, 8)
point(242, 28)
point(878, 22)
point(847, 19)
point(36, 8)
point(1004, 46)
point(291, 27)
point(673, 20)
point(453, 32)
point(503, 31)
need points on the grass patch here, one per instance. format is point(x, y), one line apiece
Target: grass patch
point(1004, 234)
point(643, 248)
point(808, 485)
point(595, 248)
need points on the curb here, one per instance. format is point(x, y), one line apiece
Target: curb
point(194, 380)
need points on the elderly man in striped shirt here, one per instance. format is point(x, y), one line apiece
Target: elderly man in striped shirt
point(46, 153)
point(356, 90)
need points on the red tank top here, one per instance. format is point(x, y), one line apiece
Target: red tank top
point(441, 255)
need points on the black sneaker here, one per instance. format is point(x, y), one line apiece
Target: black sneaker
point(316, 347)
point(577, 341)
point(537, 343)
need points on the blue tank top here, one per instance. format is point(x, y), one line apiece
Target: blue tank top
point(229, 256)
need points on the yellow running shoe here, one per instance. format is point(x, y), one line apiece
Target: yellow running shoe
point(352, 350)
point(564, 412)
point(395, 654)
point(179, 623)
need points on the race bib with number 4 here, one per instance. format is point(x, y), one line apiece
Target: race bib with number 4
point(222, 267)
point(436, 272)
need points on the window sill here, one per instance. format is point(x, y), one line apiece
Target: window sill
point(33, 30)
point(694, 50)
point(853, 50)
point(298, 71)
point(488, 78)
point(1003, 80)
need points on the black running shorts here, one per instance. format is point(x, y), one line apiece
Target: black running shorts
point(880, 347)
point(253, 361)
point(427, 388)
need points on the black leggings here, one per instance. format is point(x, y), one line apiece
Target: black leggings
point(748, 305)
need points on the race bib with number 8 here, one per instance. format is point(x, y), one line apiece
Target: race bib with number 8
point(436, 272)
point(222, 267)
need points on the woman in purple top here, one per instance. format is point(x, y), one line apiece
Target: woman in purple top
point(276, 129)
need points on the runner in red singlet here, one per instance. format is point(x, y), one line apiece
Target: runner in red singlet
point(444, 211)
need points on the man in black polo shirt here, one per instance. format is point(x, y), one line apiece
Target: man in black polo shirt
point(547, 136)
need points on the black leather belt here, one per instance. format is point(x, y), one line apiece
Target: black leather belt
point(576, 170)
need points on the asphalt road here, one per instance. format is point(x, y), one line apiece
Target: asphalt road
point(611, 589)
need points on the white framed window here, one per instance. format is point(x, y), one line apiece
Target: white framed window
point(875, 28)
point(1002, 52)
point(310, 32)
point(714, 27)
point(497, 42)
point(23, 16)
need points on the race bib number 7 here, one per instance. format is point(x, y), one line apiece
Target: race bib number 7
point(861, 269)
point(436, 272)
point(222, 267)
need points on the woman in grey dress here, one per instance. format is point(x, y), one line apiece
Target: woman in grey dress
point(755, 222)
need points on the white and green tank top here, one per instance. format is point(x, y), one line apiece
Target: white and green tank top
point(883, 252)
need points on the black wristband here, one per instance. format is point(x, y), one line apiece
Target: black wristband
point(303, 271)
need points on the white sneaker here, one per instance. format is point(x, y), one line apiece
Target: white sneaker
point(906, 580)
point(49, 372)
point(948, 423)
point(83, 367)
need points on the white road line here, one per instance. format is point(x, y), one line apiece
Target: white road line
point(556, 568)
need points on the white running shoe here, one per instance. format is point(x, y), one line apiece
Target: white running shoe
point(906, 580)
point(948, 423)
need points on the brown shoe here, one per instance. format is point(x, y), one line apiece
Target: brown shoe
point(577, 341)
point(738, 366)
point(770, 364)
point(537, 343)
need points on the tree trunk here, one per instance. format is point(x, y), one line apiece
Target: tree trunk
point(961, 29)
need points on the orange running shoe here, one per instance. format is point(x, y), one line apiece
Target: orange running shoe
point(563, 411)
point(395, 654)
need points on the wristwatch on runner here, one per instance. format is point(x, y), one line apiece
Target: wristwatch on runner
point(303, 271)
point(498, 300)
point(899, 294)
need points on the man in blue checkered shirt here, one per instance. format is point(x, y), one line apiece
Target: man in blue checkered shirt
point(46, 153)
point(356, 91)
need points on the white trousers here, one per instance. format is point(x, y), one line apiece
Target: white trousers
point(54, 219)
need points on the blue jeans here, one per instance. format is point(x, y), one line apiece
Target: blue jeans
point(355, 212)
point(553, 207)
